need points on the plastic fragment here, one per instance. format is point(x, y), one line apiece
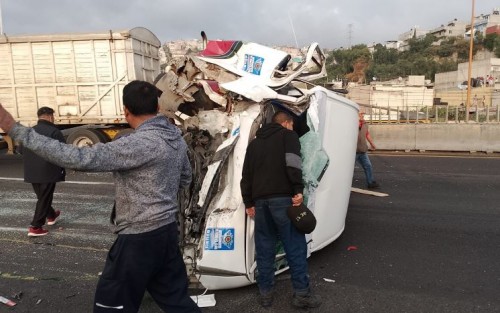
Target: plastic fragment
point(351, 248)
point(7, 302)
point(328, 280)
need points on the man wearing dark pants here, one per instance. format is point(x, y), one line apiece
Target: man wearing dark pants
point(43, 175)
point(149, 166)
point(362, 152)
point(271, 182)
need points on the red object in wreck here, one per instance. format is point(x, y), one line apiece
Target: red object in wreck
point(221, 49)
point(351, 248)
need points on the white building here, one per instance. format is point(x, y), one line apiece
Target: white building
point(480, 68)
point(453, 28)
point(414, 91)
point(483, 21)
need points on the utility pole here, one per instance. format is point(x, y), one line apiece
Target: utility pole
point(1, 20)
point(349, 35)
point(471, 43)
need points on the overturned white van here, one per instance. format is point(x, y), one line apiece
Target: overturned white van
point(220, 98)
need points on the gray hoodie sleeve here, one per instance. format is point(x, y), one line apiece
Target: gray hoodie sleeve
point(113, 156)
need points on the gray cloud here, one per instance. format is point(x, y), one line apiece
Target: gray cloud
point(266, 22)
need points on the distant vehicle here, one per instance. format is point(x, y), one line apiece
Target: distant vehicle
point(79, 75)
point(220, 98)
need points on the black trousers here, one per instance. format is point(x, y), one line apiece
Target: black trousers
point(150, 261)
point(45, 194)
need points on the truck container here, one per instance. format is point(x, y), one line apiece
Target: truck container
point(79, 75)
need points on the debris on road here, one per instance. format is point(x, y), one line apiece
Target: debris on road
point(369, 192)
point(328, 280)
point(7, 302)
point(204, 300)
point(352, 248)
point(17, 295)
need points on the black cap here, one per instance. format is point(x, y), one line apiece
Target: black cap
point(302, 218)
point(44, 111)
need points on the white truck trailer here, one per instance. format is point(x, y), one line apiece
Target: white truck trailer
point(79, 75)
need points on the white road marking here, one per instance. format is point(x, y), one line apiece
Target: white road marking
point(369, 192)
point(67, 182)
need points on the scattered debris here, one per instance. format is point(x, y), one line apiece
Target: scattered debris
point(204, 300)
point(369, 192)
point(352, 248)
point(328, 280)
point(7, 302)
point(39, 301)
point(70, 296)
point(18, 295)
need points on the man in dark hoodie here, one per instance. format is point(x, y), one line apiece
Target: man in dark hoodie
point(271, 182)
point(43, 175)
point(149, 166)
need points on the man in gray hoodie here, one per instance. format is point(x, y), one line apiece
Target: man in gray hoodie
point(149, 166)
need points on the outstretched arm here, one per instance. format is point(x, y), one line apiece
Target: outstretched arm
point(6, 120)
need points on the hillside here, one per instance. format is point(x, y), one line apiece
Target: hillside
point(426, 56)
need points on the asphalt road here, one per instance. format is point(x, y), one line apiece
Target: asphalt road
point(433, 245)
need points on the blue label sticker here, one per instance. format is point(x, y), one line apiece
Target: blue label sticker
point(253, 64)
point(219, 239)
point(236, 131)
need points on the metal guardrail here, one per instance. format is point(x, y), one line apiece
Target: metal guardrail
point(434, 114)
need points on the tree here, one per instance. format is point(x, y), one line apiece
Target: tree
point(423, 57)
point(489, 41)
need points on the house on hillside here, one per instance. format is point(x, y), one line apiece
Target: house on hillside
point(453, 28)
point(483, 22)
point(412, 92)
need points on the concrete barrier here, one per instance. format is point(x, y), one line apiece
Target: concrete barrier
point(437, 137)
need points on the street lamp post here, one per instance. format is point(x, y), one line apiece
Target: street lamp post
point(471, 43)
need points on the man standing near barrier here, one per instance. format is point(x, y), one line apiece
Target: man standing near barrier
point(362, 152)
point(149, 166)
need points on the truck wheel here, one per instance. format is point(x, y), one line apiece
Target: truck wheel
point(86, 137)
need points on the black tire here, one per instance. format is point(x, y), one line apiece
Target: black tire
point(86, 137)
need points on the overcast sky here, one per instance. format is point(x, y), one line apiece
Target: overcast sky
point(263, 21)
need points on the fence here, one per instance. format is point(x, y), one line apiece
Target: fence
point(434, 114)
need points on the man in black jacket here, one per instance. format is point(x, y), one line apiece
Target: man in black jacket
point(271, 182)
point(43, 175)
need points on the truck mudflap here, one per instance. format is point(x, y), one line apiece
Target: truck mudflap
point(220, 102)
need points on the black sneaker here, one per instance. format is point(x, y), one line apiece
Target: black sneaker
point(306, 301)
point(373, 185)
point(266, 300)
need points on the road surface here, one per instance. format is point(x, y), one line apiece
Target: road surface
point(433, 245)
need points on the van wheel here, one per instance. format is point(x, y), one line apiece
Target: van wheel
point(86, 137)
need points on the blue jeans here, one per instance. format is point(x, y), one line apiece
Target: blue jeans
point(364, 161)
point(272, 221)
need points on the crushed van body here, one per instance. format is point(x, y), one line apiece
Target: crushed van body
point(219, 98)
